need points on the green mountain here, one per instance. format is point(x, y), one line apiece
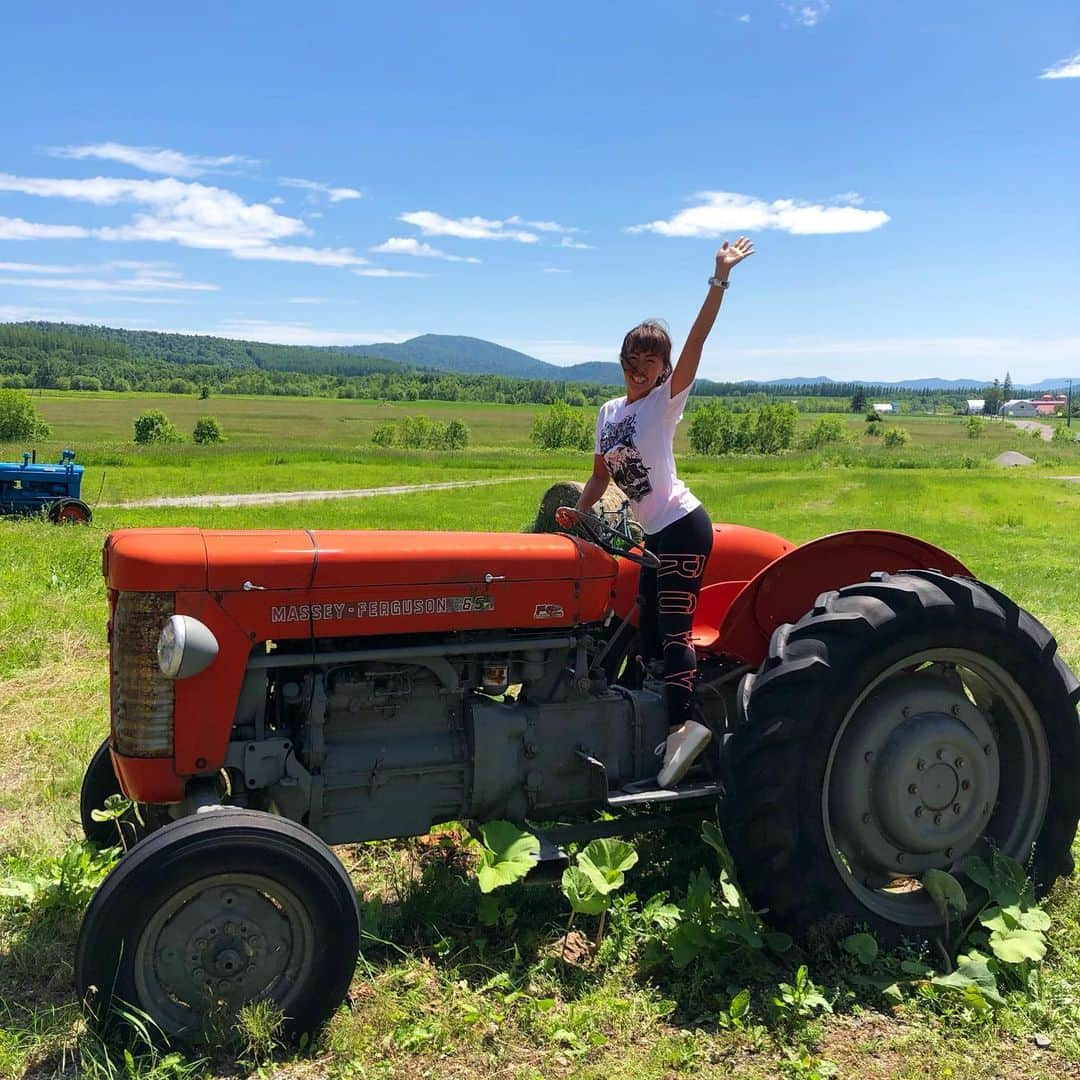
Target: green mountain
point(468, 355)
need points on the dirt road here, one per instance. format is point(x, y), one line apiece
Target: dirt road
point(270, 497)
point(1045, 430)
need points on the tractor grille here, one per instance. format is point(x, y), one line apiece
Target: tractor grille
point(142, 698)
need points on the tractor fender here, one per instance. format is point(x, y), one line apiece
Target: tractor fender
point(786, 589)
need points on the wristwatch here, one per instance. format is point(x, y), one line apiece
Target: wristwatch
point(719, 283)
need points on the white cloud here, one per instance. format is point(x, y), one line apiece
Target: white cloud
point(154, 159)
point(306, 300)
point(742, 18)
point(563, 352)
point(18, 229)
point(275, 200)
point(18, 313)
point(409, 245)
point(334, 194)
point(566, 242)
point(138, 283)
point(40, 268)
point(190, 214)
point(302, 334)
point(378, 271)
point(1064, 69)
point(542, 226)
point(808, 12)
point(299, 254)
point(999, 348)
point(470, 228)
point(554, 270)
point(720, 212)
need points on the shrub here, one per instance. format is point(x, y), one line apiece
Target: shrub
point(180, 386)
point(456, 436)
point(19, 419)
point(383, 435)
point(560, 426)
point(974, 427)
point(716, 429)
point(896, 437)
point(1063, 434)
point(154, 426)
point(207, 430)
point(85, 382)
point(823, 432)
point(416, 432)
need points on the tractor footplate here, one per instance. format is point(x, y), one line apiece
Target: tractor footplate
point(646, 791)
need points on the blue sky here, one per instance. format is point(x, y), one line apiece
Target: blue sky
point(545, 176)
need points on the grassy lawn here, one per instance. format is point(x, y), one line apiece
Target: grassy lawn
point(436, 993)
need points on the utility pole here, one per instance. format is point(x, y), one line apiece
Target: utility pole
point(1068, 408)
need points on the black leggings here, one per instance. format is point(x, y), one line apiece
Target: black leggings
point(669, 597)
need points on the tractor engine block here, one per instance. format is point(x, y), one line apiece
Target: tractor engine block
point(387, 749)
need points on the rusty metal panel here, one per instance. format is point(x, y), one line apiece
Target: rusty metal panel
point(142, 698)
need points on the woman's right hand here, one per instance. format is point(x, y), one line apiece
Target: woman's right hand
point(730, 255)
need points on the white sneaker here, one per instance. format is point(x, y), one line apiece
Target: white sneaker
point(680, 751)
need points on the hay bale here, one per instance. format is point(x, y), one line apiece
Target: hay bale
point(567, 493)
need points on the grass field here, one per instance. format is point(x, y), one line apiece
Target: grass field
point(436, 994)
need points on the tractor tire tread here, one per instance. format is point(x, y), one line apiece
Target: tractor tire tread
point(771, 760)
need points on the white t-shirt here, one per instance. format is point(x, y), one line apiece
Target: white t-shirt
point(635, 441)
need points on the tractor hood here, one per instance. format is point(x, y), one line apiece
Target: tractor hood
point(166, 560)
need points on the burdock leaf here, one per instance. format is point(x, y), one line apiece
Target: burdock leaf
point(1016, 946)
point(863, 947)
point(579, 889)
point(507, 854)
point(945, 891)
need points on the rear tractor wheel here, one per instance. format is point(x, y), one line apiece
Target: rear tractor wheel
point(213, 912)
point(70, 512)
point(903, 724)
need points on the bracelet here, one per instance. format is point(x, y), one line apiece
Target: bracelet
point(719, 283)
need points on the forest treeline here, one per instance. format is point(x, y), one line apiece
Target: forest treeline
point(75, 357)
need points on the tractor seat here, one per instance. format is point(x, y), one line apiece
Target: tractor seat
point(712, 606)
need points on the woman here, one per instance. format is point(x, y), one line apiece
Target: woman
point(634, 437)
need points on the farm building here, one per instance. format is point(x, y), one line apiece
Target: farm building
point(1049, 404)
point(975, 406)
point(882, 407)
point(1018, 408)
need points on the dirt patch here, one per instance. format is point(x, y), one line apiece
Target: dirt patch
point(268, 498)
point(1012, 459)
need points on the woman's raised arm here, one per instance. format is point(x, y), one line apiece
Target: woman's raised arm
point(729, 256)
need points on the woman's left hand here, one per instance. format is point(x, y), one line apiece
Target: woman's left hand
point(731, 255)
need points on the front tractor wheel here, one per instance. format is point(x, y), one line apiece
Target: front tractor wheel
point(215, 911)
point(903, 724)
point(99, 782)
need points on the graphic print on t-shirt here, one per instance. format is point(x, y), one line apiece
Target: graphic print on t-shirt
point(623, 458)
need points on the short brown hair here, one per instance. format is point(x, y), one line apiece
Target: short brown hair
point(650, 336)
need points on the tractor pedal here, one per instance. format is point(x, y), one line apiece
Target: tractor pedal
point(646, 791)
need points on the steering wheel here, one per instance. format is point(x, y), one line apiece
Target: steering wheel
point(622, 544)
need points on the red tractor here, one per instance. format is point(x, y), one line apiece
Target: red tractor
point(876, 711)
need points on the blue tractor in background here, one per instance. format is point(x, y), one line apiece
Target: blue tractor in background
point(53, 490)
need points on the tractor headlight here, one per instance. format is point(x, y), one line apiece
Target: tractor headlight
point(185, 647)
